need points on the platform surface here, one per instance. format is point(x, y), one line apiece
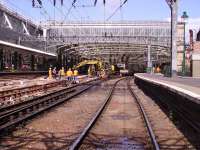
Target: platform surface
point(185, 85)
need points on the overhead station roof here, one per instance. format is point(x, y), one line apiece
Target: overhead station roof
point(99, 39)
point(26, 48)
point(105, 51)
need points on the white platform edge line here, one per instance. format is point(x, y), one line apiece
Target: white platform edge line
point(184, 91)
point(26, 48)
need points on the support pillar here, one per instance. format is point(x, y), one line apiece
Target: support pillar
point(32, 63)
point(1, 60)
point(45, 65)
point(20, 61)
point(71, 61)
point(174, 16)
point(14, 60)
point(149, 61)
point(59, 59)
point(64, 60)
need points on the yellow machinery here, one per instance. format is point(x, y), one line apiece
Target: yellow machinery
point(90, 62)
point(92, 67)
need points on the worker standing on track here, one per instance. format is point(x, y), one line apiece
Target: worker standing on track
point(89, 71)
point(113, 69)
point(59, 74)
point(54, 73)
point(75, 75)
point(62, 72)
point(50, 74)
point(69, 74)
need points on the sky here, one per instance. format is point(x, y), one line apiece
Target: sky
point(132, 10)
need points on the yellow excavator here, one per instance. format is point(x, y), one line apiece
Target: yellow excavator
point(92, 68)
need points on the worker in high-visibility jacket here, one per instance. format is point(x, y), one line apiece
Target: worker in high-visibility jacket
point(113, 69)
point(89, 71)
point(75, 75)
point(62, 72)
point(50, 74)
point(75, 72)
point(69, 74)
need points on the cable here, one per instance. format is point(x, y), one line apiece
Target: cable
point(61, 11)
point(121, 5)
point(69, 10)
point(45, 12)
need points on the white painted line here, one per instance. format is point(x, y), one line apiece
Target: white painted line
point(26, 48)
point(184, 91)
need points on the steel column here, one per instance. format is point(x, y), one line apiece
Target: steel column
point(184, 49)
point(174, 16)
point(149, 62)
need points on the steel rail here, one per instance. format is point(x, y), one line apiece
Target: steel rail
point(146, 120)
point(17, 92)
point(36, 108)
point(33, 101)
point(10, 108)
point(28, 105)
point(77, 143)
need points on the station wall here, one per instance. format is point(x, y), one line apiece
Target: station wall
point(12, 59)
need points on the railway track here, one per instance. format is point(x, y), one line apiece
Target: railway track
point(23, 73)
point(92, 123)
point(12, 115)
point(18, 92)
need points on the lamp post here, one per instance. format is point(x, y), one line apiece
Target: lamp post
point(184, 18)
point(173, 5)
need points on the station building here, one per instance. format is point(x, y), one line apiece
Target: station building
point(22, 46)
point(195, 57)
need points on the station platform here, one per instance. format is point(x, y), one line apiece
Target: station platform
point(187, 87)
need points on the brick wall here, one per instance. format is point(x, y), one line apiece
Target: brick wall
point(197, 46)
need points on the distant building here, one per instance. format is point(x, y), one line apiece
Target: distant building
point(195, 59)
point(196, 47)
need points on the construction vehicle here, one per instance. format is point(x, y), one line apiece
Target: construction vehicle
point(93, 68)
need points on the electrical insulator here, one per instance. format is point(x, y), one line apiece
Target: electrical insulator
point(61, 2)
point(54, 2)
point(95, 2)
point(125, 1)
point(33, 3)
point(104, 2)
point(74, 2)
point(40, 2)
